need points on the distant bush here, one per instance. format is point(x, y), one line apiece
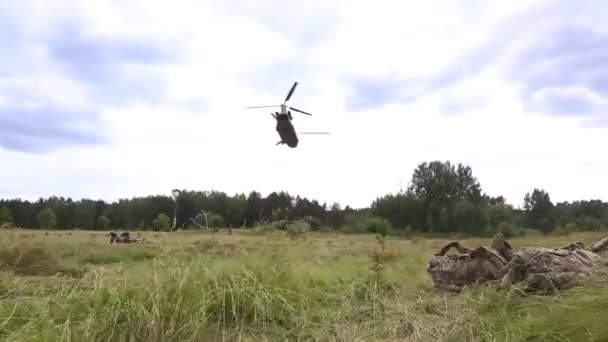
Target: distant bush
point(264, 229)
point(215, 220)
point(5, 216)
point(378, 225)
point(297, 229)
point(103, 222)
point(507, 229)
point(47, 218)
point(161, 222)
point(315, 223)
point(565, 230)
point(588, 223)
point(6, 226)
point(26, 259)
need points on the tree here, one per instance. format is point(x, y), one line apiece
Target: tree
point(468, 217)
point(438, 187)
point(378, 225)
point(402, 210)
point(444, 220)
point(5, 215)
point(215, 220)
point(539, 210)
point(443, 183)
point(103, 222)
point(334, 217)
point(161, 222)
point(47, 218)
point(499, 214)
point(83, 215)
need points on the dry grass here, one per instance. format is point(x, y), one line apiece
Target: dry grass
point(193, 286)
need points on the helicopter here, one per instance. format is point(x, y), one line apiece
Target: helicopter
point(284, 126)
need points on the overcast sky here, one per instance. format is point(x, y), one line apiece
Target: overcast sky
point(120, 98)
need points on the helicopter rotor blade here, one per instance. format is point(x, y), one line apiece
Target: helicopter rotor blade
point(314, 133)
point(293, 87)
point(262, 106)
point(301, 111)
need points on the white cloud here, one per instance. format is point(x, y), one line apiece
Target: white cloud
point(224, 56)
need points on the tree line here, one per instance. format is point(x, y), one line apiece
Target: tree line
point(441, 198)
point(191, 208)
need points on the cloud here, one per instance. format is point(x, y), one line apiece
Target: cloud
point(68, 68)
point(567, 100)
point(543, 47)
point(124, 98)
point(42, 129)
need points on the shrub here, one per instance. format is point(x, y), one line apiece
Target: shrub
point(565, 230)
point(161, 222)
point(378, 225)
point(507, 229)
point(215, 220)
point(103, 222)
point(264, 229)
point(5, 216)
point(47, 218)
point(313, 222)
point(297, 229)
point(25, 259)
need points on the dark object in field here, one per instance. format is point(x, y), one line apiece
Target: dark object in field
point(124, 237)
point(542, 270)
point(469, 267)
point(548, 270)
point(284, 126)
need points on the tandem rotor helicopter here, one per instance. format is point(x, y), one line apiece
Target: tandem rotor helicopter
point(284, 127)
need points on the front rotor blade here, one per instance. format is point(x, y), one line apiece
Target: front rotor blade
point(263, 106)
point(293, 87)
point(301, 111)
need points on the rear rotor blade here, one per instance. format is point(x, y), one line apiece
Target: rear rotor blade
point(314, 133)
point(262, 106)
point(293, 87)
point(301, 111)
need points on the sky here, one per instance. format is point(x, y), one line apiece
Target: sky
point(120, 98)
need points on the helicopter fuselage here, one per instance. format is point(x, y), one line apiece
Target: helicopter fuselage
point(286, 130)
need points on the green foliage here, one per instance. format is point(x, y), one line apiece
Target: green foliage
point(5, 215)
point(103, 222)
point(192, 286)
point(509, 230)
point(565, 230)
point(84, 215)
point(378, 225)
point(297, 229)
point(47, 219)
point(262, 229)
point(539, 210)
point(354, 223)
point(313, 222)
point(499, 213)
point(162, 222)
point(442, 198)
point(32, 259)
point(215, 220)
point(468, 217)
point(401, 210)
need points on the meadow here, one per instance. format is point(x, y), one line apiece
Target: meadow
point(269, 286)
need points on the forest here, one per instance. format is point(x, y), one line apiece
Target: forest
point(441, 198)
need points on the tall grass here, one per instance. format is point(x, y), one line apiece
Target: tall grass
point(212, 287)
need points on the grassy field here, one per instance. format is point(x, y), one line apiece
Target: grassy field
point(197, 286)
